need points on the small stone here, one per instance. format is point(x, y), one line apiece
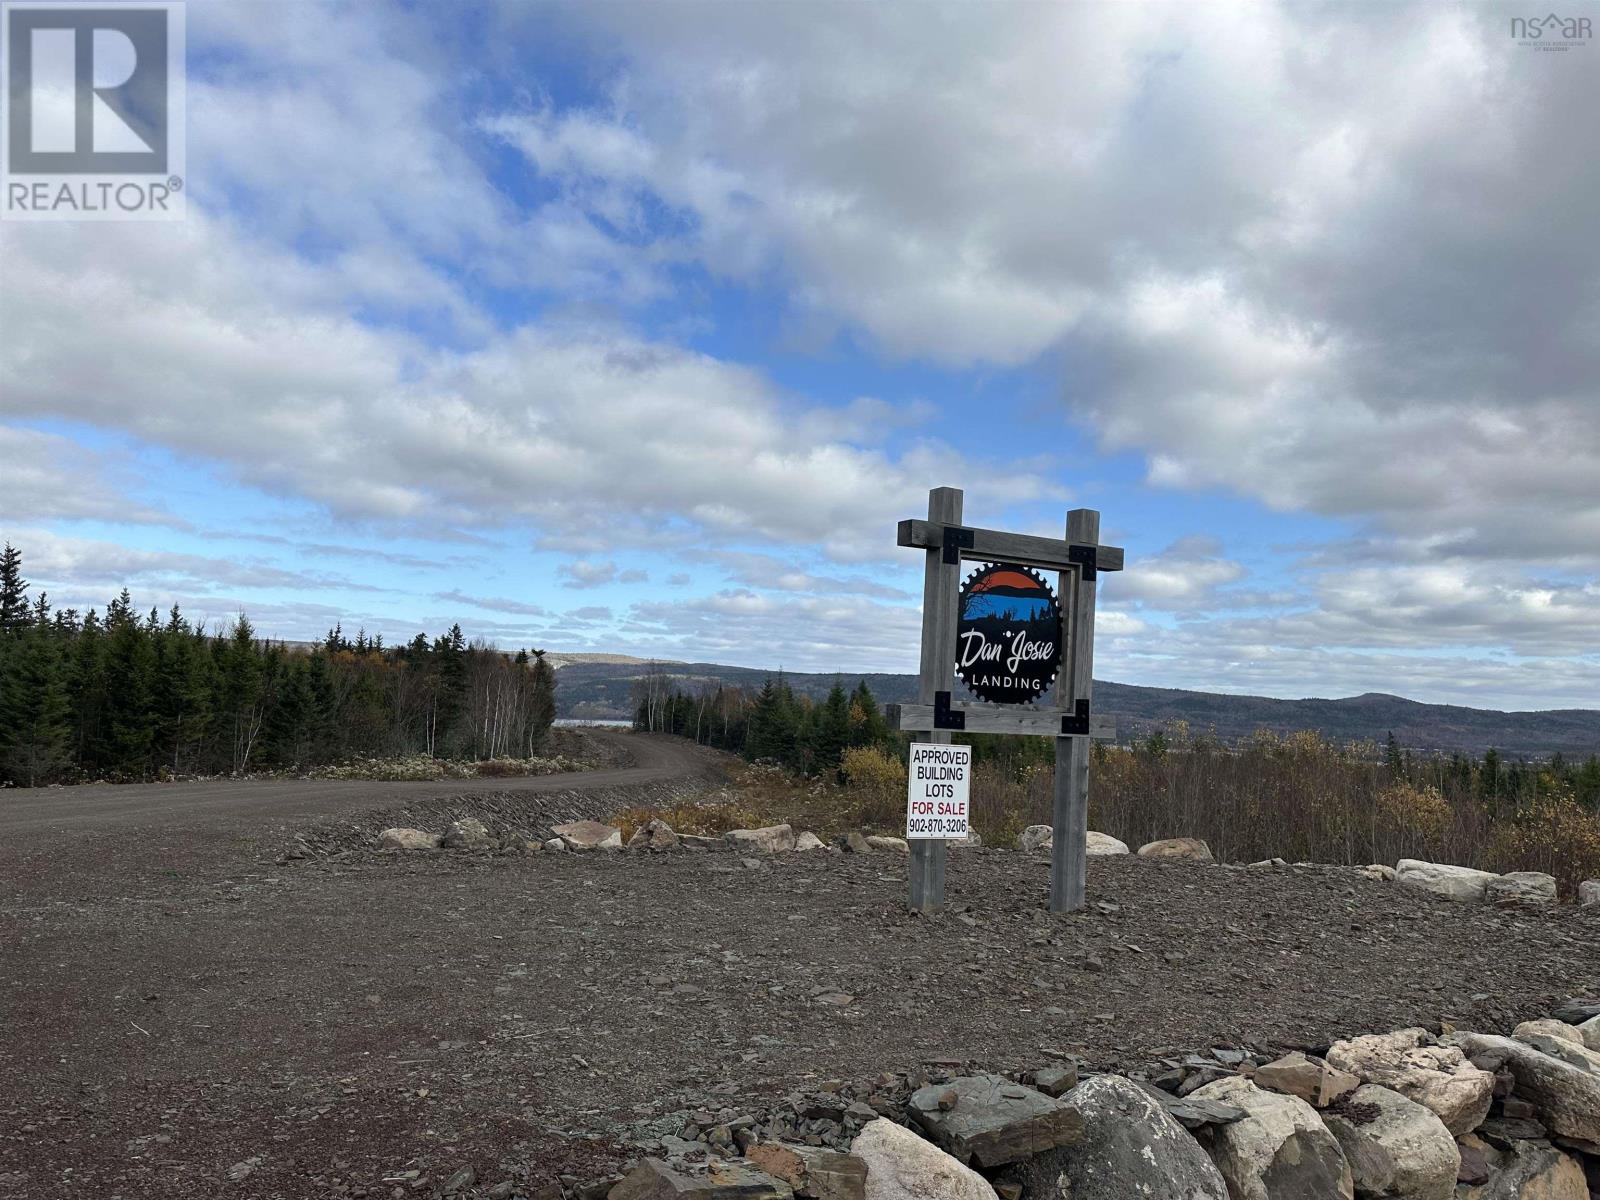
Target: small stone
point(1521, 887)
point(1183, 848)
point(1442, 879)
point(809, 841)
point(655, 1180)
point(408, 839)
point(770, 839)
point(589, 835)
point(1053, 1081)
point(654, 834)
point(892, 844)
point(1034, 838)
point(555, 845)
point(460, 1181)
point(468, 833)
point(1103, 845)
point(994, 1121)
point(1313, 1080)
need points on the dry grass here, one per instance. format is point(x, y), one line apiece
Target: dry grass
point(1293, 796)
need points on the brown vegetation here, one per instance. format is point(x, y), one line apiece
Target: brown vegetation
point(1294, 796)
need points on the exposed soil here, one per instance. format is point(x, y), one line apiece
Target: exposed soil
point(177, 1006)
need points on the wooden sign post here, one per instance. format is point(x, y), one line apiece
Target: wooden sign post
point(1078, 559)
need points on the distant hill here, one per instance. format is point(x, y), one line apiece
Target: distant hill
point(587, 688)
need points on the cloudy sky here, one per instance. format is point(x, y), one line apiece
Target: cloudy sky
point(636, 328)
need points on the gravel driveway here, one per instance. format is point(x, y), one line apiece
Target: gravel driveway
point(177, 1007)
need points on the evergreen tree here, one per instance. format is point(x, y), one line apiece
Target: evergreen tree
point(13, 592)
point(1391, 756)
point(183, 700)
point(242, 687)
point(542, 708)
point(129, 686)
point(34, 710)
point(867, 726)
point(86, 689)
point(832, 730)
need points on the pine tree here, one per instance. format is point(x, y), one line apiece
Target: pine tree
point(243, 692)
point(34, 709)
point(129, 686)
point(867, 726)
point(13, 592)
point(86, 688)
point(832, 730)
point(184, 686)
point(542, 707)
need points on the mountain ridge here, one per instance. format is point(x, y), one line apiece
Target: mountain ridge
point(594, 689)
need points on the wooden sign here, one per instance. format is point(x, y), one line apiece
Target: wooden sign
point(1005, 636)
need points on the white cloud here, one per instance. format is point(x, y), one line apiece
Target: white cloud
point(50, 477)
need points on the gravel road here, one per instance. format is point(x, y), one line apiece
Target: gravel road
point(178, 1008)
point(37, 816)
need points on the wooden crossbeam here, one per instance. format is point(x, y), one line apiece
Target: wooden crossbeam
point(994, 718)
point(1019, 549)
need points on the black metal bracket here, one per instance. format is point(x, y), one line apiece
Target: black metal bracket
point(956, 538)
point(1078, 723)
point(1087, 557)
point(943, 717)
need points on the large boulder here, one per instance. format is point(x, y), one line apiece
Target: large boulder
point(1521, 887)
point(654, 1180)
point(1192, 849)
point(1034, 837)
point(1589, 892)
point(987, 1120)
point(1576, 1010)
point(1528, 1170)
point(1437, 1077)
point(769, 839)
point(1131, 1147)
point(588, 835)
point(468, 833)
point(1453, 883)
point(903, 1166)
point(1281, 1149)
point(809, 841)
point(1560, 1079)
point(1104, 845)
point(401, 838)
point(1547, 1027)
point(654, 834)
point(1312, 1079)
point(894, 845)
point(1396, 1148)
point(1589, 1031)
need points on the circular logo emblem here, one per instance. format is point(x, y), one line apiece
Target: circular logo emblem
point(1008, 638)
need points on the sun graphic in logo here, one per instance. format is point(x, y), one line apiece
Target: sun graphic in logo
point(1008, 637)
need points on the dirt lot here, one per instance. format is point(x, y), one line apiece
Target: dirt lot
point(176, 1006)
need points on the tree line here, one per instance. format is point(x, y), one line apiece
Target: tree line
point(806, 736)
point(124, 696)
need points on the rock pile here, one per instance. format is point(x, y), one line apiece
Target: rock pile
point(1395, 1116)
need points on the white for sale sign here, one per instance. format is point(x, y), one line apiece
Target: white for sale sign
point(936, 791)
